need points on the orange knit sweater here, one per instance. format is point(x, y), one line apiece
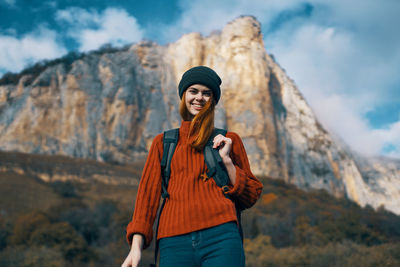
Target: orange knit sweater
point(193, 204)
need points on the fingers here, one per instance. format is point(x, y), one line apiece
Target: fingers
point(132, 260)
point(126, 263)
point(221, 140)
point(218, 140)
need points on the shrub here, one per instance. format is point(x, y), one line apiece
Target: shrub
point(25, 225)
point(65, 189)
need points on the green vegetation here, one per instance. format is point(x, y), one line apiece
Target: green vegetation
point(21, 194)
point(260, 252)
point(292, 217)
point(83, 224)
point(290, 227)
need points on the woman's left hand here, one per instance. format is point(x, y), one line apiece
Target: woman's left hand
point(224, 144)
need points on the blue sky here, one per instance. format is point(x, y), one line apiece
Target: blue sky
point(343, 55)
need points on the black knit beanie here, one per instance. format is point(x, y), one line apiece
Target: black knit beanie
point(201, 75)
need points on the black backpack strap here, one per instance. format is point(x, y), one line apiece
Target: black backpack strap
point(170, 139)
point(158, 222)
point(217, 170)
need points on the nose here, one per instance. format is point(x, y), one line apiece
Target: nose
point(199, 96)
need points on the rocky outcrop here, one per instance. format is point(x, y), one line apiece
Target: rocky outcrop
point(109, 106)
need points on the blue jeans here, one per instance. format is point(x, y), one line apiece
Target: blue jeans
point(220, 246)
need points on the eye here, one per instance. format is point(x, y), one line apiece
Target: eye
point(207, 93)
point(193, 91)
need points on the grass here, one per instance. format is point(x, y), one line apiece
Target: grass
point(22, 193)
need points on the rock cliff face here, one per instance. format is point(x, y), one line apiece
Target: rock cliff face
point(109, 106)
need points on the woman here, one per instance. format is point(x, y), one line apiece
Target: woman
point(198, 225)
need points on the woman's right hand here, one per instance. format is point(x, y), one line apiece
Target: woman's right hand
point(133, 258)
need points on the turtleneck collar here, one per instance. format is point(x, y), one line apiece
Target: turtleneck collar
point(185, 127)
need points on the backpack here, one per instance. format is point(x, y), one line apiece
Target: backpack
point(215, 166)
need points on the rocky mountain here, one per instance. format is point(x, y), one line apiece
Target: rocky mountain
point(109, 106)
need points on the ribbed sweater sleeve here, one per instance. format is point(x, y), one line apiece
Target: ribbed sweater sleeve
point(148, 196)
point(247, 189)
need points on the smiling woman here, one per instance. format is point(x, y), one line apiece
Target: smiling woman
point(199, 217)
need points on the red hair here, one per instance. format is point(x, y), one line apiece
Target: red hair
point(202, 125)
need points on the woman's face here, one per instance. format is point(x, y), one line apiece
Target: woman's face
point(196, 97)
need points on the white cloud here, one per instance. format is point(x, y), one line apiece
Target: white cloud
point(337, 115)
point(390, 136)
point(79, 17)
point(92, 29)
point(207, 15)
point(16, 53)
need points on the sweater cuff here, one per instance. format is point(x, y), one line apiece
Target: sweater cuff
point(240, 183)
point(139, 227)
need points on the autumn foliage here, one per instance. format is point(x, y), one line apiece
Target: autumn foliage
point(287, 227)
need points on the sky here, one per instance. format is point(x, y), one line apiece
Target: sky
point(344, 56)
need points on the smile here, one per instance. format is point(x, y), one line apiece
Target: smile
point(197, 106)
